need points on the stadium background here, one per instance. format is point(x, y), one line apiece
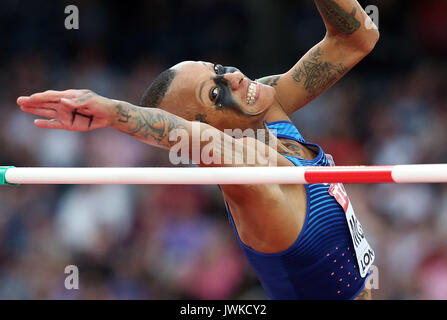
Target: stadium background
point(175, 242)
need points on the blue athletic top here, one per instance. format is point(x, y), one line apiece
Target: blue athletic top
point(321, 263)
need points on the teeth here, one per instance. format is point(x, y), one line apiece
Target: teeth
point(251, 93)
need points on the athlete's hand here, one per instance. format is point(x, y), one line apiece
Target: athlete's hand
point(76, 110)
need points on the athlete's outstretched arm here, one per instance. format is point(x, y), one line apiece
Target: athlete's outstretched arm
point(83, 110)
point(350, 36)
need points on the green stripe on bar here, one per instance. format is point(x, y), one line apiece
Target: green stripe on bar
point(3, 181)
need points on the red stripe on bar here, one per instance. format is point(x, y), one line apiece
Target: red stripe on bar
point(372, 174)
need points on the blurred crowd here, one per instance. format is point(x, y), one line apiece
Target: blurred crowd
point(175, 242)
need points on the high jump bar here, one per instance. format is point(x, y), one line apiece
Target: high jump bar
point(416, 173)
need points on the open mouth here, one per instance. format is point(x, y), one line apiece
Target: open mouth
point(253, 92)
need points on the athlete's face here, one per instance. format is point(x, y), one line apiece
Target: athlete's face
point(221, 96)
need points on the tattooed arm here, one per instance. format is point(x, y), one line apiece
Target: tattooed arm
point(155, 126)
point(349, 38)
point(83, 110)
point(150, 125)
point(347, 20)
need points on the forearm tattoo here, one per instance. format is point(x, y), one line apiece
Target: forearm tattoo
point(150, 123)
point(273, 81)
point(316, 75)
point(344, 22)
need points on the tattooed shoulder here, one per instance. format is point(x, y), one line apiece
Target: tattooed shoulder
point(270, 81)
point(290, 148)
